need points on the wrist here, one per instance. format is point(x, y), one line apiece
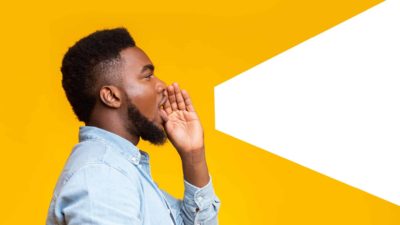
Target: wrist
point(195, 168)
point(193, 157)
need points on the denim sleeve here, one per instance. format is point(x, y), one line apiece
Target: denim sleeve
point(99, 194)
point(199, 206)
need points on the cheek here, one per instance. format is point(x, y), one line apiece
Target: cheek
point(145, 99)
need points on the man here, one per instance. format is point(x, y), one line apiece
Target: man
point(111, 86)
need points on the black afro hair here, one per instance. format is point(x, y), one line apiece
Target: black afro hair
point(80, 66)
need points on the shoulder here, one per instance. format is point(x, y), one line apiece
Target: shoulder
point(95, 176)
point(96, 159)
point(101, 176)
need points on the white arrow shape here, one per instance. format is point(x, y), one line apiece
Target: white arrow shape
point(331, 104)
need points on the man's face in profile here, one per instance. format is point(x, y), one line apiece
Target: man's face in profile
point(144, 96)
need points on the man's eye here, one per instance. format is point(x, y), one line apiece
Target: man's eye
point(149, 76)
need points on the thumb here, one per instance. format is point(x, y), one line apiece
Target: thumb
point(164, 115)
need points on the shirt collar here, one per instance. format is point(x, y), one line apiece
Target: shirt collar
point(125, 147)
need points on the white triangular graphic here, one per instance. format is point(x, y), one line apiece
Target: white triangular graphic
point(331, 104)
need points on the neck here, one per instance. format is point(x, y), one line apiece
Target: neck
point(115, 126)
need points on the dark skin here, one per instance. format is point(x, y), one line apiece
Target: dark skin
point(168, 107)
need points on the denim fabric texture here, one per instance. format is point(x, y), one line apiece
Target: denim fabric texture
point(106, 180)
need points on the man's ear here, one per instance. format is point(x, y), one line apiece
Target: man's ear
point(111, 96)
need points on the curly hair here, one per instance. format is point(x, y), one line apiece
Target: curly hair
point(90, 62)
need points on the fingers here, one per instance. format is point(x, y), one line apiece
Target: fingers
point(177, 100)
point(167, 105)
point(172, 98)
point(188, 102)
point(178, 96)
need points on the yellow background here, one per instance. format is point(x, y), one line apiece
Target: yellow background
point(197, 43)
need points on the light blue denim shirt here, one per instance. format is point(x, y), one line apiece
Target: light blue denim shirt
point(107, 180)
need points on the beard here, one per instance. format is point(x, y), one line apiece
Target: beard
point(141, 126)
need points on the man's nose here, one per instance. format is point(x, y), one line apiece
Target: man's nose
point(161, 86)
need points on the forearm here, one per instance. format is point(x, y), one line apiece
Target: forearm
point(194, 167)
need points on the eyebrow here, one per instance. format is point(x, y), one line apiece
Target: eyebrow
point(148, 67)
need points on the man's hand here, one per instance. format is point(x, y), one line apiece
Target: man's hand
point(185, 132)
point(181, 122)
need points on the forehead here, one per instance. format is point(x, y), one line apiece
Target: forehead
point(134, 59)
